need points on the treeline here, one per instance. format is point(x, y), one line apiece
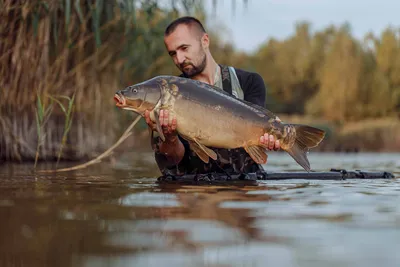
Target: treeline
point(330, 74)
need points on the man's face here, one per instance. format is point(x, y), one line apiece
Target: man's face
point(187, 48)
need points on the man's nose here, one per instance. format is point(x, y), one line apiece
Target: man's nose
point(180, 57)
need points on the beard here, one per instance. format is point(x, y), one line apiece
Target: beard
point(193, 70)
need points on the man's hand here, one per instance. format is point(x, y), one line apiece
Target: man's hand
point(168, 127)
point(269, 140)
point(172, 148)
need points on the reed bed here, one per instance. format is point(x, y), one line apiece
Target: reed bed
point(60, 65)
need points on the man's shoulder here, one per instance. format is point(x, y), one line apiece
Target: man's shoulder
point(242, 72)
point(248, 78)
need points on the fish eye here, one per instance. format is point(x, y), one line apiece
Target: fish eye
point(134, 90)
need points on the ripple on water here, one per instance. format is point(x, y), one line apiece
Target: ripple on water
point(197, 231)
point(150, 199)
point(250, 254)
point(320, 242)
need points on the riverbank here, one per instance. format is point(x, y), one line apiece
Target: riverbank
point(369, 135)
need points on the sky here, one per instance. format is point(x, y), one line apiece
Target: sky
point(263, 19)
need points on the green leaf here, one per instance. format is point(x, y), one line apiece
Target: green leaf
point(37, 124)
point(46, 6)
point(55, 29)
point(79, 11)
point(67, 13)
point(71, 102)
point(35, 23)
point(59, 103)
point(39, 109)
point(96, 11)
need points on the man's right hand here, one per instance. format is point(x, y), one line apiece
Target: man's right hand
point(168, 126)
point(172, 147)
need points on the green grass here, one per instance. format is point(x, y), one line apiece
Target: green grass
point(43, 113)
point(68, 112)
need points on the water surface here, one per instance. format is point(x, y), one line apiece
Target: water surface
point(118, 215)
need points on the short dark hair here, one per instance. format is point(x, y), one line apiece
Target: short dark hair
point(187, 20)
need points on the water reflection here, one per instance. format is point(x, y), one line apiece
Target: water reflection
point(120, 217)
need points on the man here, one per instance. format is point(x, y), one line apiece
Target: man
point(188, 44)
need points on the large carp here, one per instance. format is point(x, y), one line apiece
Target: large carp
point(209, 117)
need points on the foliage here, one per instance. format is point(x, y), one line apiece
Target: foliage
point(330, 74)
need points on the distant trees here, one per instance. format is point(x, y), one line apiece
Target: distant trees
point(332, 75)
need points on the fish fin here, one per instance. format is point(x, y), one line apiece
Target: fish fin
point(306, 137)
point(202, 151)
point(257, 153)
point(199, 152)
point(158, 124)
point(309, 136)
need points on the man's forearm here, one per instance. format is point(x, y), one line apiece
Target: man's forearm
point(173, 150)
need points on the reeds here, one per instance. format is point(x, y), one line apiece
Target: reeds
point(68, 112)
point(43, 114)
point(82, 51)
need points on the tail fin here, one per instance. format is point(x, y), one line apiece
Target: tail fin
point(306, 137)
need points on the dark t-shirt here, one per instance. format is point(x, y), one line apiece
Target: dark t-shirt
point(229, 160)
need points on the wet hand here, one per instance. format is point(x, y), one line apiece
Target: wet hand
point(269, 140)
point(168, 125)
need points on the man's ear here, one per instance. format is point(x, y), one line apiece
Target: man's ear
point(205, 41)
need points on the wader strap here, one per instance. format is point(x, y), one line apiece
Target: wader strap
point(226, 79)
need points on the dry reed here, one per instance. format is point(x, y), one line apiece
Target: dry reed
point(71, 49)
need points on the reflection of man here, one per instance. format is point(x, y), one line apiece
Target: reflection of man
point(188, 45)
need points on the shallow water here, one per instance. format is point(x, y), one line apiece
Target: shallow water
point(117, 215)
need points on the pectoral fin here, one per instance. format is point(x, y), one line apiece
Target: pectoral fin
point(199, 152)
point(156, 116)
point(257, 153)
point(202, 151)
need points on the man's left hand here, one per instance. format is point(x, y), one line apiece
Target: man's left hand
point(269, 140)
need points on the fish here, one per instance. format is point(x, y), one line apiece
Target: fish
point(208, 117)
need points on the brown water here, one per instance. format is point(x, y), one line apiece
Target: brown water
point(117, 215)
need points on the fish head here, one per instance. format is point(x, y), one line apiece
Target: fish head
point(139, 97)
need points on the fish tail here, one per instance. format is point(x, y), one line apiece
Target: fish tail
point(306, 137)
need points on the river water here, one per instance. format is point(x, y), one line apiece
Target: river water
point(118, 215)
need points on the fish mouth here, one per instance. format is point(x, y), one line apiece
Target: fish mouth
point(119, 100)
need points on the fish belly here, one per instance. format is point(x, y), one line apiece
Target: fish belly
point(214, 126)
